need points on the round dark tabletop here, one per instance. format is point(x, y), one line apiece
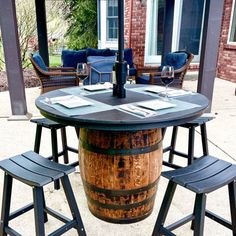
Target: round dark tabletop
point(114, 119)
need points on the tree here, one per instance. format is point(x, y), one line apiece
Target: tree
point(81, 16)
point(26, 27)
point(26, 21)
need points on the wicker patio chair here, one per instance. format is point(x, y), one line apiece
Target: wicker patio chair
point(180, 60)
point(52, 78)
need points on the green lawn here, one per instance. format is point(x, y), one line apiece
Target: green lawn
point(55, 60)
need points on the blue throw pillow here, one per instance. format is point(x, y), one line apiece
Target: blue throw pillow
point(101, 58)
point(99, 52)
point(175, 59)
point(128, 56)
point(39, 61)
point(70, 58)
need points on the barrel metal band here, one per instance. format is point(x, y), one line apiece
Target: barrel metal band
point(122, 220)
point(115, 193)
point(121, 207)
point(122, 152)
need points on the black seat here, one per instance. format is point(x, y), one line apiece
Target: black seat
point(36, 171)
point(191, 126)
point(203, 176)
point(54, 126)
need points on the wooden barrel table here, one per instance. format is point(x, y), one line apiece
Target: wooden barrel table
point(120, 153)
point(120, 172)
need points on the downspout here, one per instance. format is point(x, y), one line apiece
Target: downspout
point(130, 22)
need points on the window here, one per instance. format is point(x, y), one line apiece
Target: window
point(154, 30)
point(191, 26)
point(112, 20)
point(232, 29)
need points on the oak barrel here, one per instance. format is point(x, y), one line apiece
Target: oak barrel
point(120, 172)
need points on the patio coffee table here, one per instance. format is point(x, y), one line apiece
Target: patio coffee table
point(121, 150)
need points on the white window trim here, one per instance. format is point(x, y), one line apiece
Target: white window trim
point(104, 43)
point(230, 25)
point(107, 25)
point(148, 59)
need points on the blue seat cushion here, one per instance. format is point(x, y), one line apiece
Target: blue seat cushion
point(175, 59)
point(70, 58)
point(99, 52)
point(39, 61)
point(132, 71)
point(143, 79)
point(128, 56)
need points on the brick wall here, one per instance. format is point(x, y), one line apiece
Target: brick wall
point(226, 66)
point(136, 39)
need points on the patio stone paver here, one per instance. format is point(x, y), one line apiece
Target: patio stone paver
point(18, 136)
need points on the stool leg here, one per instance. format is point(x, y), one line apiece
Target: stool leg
point(55, 153)
point(77, 132)
point(6, 201)
point(232, 200)
point(164, 208)
point(163, 132)
point(199, 213)
point(191, 145)
point(38, 211)
point(37, 138)
point(64, 145)
point(72, 204)
point(204, 139)
point(173, 144)
point(44, 212)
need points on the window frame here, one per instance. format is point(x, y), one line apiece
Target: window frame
point(233, 11)
point(107, 22)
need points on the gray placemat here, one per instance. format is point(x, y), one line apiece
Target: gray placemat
point(179, 106)
point(95, 107)
point(81, 91)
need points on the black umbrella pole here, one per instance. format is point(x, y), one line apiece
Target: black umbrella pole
point(121, 72)
point(121, 65)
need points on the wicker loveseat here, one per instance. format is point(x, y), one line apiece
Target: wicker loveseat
point(99, 61)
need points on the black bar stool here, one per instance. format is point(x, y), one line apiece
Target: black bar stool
point(191, 126)
point(205, 175)
point(36, 171)
point(54, 126)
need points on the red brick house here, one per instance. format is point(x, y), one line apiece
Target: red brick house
point(227, 50)
point(144, 31)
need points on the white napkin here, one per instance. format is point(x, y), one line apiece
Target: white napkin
point(69, 101)
point(137, 110)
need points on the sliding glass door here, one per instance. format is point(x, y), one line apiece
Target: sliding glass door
point(191, 26)
point(187, 28)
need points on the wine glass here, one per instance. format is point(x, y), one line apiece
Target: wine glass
point(167, 77)
point(82, 71)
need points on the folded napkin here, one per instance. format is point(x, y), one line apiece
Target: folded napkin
point(68, 101)
point(170, 92)
point(175, 93)
point(97, 87)
point(137, 110)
